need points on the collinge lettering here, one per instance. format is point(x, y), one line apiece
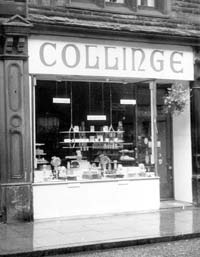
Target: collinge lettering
point(157, 64)
point(141, 59)
point(43, 60)
point(88, 56)
point(112, 58)
point(174, 62)
point(65, 56)
point(107, 59)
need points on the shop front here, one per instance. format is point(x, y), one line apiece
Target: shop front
point(102, 142)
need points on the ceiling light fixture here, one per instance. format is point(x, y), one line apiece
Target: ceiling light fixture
point(128, 101)
point(96, 117)
point(58, 100)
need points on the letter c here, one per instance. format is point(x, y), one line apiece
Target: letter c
point(42, 58)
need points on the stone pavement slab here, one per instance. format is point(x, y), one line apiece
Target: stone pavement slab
point(42, 238)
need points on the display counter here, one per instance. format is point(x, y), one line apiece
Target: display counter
point(57, 198)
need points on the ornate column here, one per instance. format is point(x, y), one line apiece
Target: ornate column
point(15, 118)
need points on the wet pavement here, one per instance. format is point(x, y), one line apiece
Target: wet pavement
point(41, 238)
point(182, 248)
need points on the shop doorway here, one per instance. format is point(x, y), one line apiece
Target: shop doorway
point(165, 163)
point(164, 147)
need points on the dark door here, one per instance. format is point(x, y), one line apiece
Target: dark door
point(165, 170)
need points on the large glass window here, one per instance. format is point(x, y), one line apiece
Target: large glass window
point(92, 130)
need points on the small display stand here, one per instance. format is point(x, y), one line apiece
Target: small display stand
point(40, 155)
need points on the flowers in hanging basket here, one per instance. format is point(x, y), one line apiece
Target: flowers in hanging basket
point(176, 99)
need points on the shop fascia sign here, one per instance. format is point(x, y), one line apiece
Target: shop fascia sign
point(65, 56)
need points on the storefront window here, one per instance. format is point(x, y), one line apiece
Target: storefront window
point(92, 130)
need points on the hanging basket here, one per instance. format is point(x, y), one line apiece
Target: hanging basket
point(176, 99)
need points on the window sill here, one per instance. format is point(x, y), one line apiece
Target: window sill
point(117, 5)
point(141, 7)
point(151, 12)
point(122, 9)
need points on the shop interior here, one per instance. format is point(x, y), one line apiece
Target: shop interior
point(92, 130)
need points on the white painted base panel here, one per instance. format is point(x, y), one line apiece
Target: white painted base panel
point(85, 198)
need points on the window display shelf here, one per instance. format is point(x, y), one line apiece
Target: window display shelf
point(93, 142)
point(88, 132)
point(42, 162)
point(92, 147)
point(106, 148)
point(73, 147)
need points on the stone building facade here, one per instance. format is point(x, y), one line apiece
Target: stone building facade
point(174, 22)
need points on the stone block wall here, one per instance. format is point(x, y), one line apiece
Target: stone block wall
point(11, 7)
point(183, 16)
point(187, 9)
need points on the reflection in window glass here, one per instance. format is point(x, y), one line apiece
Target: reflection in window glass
point(150, 3)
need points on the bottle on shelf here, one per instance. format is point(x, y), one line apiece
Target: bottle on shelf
point(82, 128)
point(147, 157)
point(115, 165)
point(92, 128)
point(120, 130)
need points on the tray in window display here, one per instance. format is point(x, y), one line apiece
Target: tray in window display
point(136, 171)
point(92, 174)
point(125, 158)
point(114, 175)
point(41, 161)
point(71, 157)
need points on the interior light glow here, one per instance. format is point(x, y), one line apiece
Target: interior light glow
point(96, 117)
point(57, 100)
point(128, 101)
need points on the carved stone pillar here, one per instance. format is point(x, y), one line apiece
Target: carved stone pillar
point(15, 131)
